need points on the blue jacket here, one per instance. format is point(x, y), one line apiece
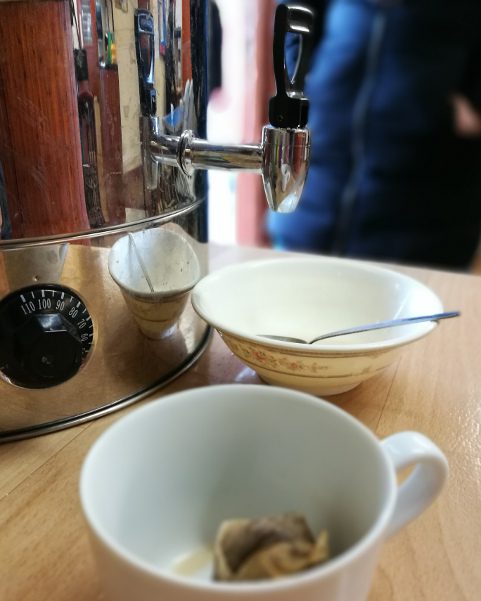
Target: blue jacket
point(389, 179)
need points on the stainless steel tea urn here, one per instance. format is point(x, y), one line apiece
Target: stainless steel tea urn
point(103, 197)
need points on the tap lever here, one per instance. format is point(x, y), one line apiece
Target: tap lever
point(289, 107)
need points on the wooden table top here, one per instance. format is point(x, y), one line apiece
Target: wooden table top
point(435, 388)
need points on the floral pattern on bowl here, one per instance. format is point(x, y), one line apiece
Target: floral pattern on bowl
point(331, 373)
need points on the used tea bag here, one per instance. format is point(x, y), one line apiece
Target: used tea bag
point(268, 547)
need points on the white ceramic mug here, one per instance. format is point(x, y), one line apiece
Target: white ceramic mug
point(157, 484)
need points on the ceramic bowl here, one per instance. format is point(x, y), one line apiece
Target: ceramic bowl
point(305, 297)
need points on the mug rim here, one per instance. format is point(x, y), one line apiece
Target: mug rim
point(337, 563)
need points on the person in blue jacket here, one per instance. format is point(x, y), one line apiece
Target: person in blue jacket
point(395, 173)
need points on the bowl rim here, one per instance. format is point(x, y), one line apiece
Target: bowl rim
point(421, 329)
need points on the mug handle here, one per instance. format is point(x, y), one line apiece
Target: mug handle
point(423, 484)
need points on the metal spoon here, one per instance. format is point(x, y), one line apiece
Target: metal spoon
point(379, 325)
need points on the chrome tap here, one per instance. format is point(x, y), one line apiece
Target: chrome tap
point(282, 157)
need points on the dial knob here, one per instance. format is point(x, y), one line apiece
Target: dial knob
point(46, 334)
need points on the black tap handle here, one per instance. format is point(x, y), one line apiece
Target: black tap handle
point(289, 107)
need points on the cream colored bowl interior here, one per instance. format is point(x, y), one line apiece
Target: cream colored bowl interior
point(308, 296)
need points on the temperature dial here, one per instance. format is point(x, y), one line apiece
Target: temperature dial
point(46, 334)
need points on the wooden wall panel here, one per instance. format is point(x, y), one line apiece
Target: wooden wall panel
point(39, 128)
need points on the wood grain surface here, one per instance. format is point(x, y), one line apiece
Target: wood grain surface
point(435, 388)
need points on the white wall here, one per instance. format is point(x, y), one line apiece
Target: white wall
point(225, 116)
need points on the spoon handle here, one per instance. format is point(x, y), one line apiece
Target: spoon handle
point(387, 324)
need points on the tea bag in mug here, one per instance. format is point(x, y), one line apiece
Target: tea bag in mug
point(267, 547)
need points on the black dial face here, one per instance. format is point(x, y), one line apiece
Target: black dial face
point(46, 334)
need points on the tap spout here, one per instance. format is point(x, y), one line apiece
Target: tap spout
point(285, 161)
point(281, 158)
